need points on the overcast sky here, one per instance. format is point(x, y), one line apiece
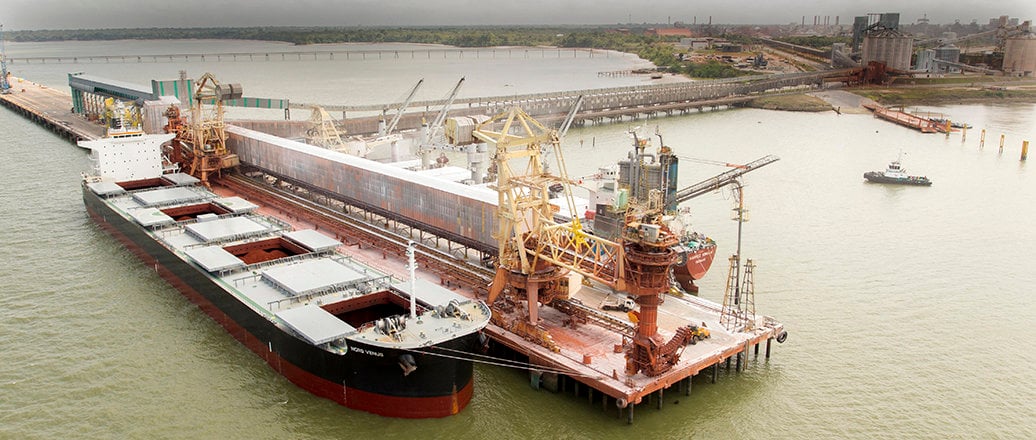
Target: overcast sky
point(90, 14)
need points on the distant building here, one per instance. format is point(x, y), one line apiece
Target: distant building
point(699, 43)
point(669, 32)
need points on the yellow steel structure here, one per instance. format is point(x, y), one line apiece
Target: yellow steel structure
point(205, 137)
point(323, 131)
point(535, 251)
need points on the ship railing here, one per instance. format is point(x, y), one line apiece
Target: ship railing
point(243, 237)
point(353, 288)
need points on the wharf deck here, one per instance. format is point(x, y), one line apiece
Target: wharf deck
point(585, 352)
point(50, 108)
point(924, 125)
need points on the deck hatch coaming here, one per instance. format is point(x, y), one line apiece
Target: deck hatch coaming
point(180, 179)
point(313, 240)
point(313, 276)
point(106, 188)
point(315, 324)
point(236, 204)
point(214, 259)
point(168, 196)
point(226, 228)
point(149, 217)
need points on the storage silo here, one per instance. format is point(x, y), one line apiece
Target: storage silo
point(1020, 55)
point(949, 53)
point(925, 61)
point(888, 46)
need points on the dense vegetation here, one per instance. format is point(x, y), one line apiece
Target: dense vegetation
point(659, 51)
point(453, 36)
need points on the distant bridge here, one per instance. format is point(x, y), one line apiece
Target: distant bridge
point(324, 55)
point(599, 105)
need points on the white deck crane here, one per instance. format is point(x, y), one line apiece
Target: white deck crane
point(427, 142)
point(391, 126)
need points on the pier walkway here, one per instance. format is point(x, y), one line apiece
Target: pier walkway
point(49, 108)
point(599, 105)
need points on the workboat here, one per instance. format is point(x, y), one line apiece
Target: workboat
point(896, 174)
point(953, 124)
point(327, 322)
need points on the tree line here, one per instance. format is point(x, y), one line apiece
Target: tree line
point(658, 50)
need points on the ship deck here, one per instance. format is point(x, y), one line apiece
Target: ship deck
point(302, 281)
point(587, 352)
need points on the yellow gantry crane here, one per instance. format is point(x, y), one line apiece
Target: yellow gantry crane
point(536, 252)
point(203, 140)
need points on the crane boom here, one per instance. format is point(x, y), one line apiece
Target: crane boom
point(441, 117)
point(406, 103)
point(722, 179)
point(563, 129)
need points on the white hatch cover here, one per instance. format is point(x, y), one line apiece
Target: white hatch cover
point(236, 204)
point(105, 188)
point(313, 240)
point(180, 179)
point(311, 276)
point(225, 228)
point(214, 258)
point(150, 217)
point(315, 324)
point(167, 196)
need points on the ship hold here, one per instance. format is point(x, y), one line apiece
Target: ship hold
point(333, 326)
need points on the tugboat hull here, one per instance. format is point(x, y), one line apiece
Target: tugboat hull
point(878, 177)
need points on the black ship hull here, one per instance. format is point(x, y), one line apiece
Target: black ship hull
point(366, 377)
point(877, 177)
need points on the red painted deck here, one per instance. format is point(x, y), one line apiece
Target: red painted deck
point(924, 125)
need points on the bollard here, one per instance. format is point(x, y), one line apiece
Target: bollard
point(1001, 143)
point(1025, 150)
point(964, 133)
point(982, 139)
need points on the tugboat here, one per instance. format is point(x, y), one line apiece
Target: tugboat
point(896, 174)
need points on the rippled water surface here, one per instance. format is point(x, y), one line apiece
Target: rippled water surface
point(907, 307)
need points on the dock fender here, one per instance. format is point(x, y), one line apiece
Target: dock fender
point(781, 337)
point(621, 403)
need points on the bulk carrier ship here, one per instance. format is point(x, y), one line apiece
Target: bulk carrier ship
point(333, 326)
